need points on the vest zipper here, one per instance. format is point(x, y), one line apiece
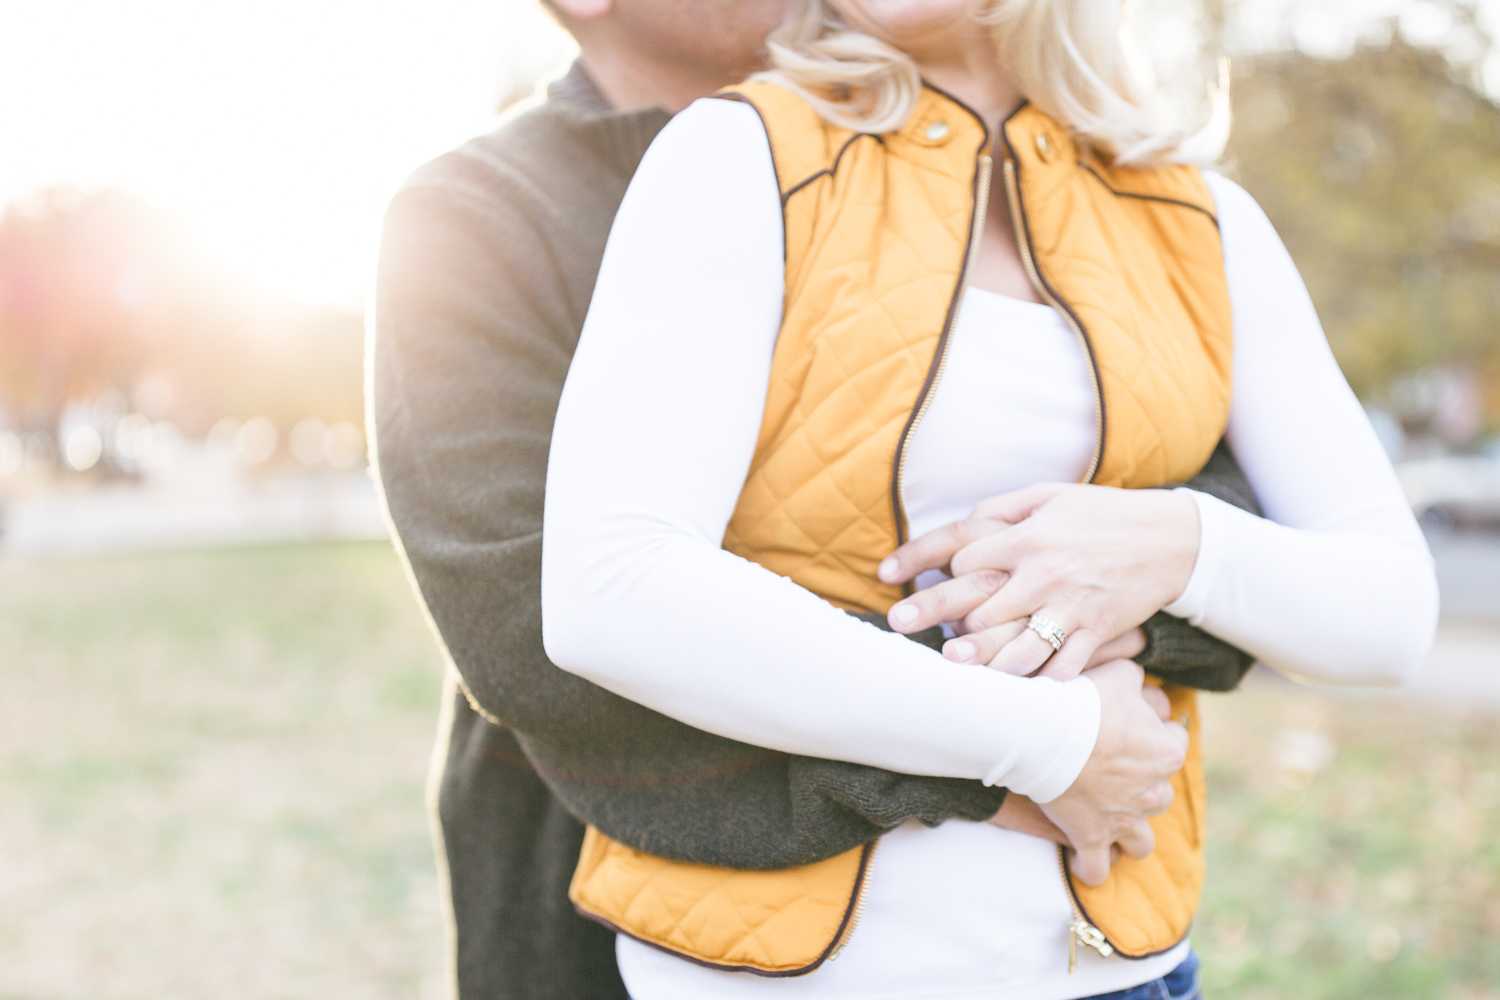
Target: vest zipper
point(976, 233)
point(1080, 930)
point(859, 903)
point(1023, 243)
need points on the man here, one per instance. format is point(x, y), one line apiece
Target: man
point(488, 262)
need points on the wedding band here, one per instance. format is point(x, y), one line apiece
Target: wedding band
point(1049, 630)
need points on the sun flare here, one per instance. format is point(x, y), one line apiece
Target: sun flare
point(277, 128)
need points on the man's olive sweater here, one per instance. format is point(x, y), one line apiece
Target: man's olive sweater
point(488, 261)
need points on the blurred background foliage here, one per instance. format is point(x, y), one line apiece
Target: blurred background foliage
point(1381, 171)
point(102, 294)
point(1378, 161)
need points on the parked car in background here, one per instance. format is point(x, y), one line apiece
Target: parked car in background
point(1453, 491)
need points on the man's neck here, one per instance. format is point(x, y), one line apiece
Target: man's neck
point(631, 81)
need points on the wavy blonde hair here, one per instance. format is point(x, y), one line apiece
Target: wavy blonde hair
point(1074, 59)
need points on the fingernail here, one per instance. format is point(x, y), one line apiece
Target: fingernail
point(963, 652)
point(887, 569)
point(904, 614)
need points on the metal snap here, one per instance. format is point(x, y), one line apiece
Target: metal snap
point(1044, 146)
point(937, 130)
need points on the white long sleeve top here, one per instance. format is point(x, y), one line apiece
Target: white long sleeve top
point(655, 433)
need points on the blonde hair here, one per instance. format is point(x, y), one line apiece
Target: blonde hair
point(1073, 59)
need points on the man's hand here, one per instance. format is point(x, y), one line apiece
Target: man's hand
point(1095, 560)
point(1127, 777)
point(1021, 815)
point(1125, 647)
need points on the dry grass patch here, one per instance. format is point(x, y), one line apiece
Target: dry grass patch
point(1352, 847)
point(211, 771)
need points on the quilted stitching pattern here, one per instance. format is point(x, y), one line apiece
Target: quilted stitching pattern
point(767, 921)
point(874, 251)
point(874, 254)
point(1171, 879)
point(1154, 301)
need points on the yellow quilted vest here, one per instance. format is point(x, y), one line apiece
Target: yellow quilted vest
point(879, 231)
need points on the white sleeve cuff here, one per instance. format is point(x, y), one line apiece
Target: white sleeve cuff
point(1215, 525)
point(1076, 705)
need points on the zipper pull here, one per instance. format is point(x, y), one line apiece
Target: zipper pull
point(1090, 935)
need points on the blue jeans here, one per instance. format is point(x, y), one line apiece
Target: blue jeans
point(1179, 984)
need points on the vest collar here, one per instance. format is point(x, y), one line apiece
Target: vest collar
point(940, 119)
point(1042, 150)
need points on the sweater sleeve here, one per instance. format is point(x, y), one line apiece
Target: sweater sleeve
point(1177, 650)
point(654, 435)
point(1335, 583)
point(483, 282)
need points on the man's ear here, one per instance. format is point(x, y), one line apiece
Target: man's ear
point(584, 10)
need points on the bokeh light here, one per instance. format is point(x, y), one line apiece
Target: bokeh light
point(84, 448)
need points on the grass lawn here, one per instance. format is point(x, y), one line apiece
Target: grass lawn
point(211, 778)
point(1352, 849)
point(211, 770)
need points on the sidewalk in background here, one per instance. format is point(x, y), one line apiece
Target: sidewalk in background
point(207, 510)
point(1463, 667)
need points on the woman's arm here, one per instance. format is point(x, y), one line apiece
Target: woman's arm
point(654, 434)
point(482, 289)
point(1336, 583)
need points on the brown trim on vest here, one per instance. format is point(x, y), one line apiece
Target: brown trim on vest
point(898, 514)
point(1088, 341)
point(838, 937)
point(1149, 197)
point(1083, 910)
point(742, 99)
point(829, 171)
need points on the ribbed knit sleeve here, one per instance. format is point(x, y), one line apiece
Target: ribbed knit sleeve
point(488, 262)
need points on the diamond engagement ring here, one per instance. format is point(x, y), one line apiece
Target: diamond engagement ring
point(1047, 629)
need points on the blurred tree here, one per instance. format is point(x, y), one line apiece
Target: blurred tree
point(71, 270)
point(1380, 168)
point(1381, 171)
point(99, 291)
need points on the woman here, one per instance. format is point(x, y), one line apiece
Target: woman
point(817, 335)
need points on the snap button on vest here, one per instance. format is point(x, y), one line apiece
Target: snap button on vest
point(1044, 147)
point(937, 130)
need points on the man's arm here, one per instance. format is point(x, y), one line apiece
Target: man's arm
point(1183, 653)
point(480, 298)
point(481, 295)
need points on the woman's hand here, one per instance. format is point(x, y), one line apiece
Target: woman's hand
point(1095, 560)
point(1127, 778)
point(1125, 781)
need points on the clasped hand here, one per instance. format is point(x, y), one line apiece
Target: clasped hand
point(1095, 560)
point(1127, 779)
point(1098, 562)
